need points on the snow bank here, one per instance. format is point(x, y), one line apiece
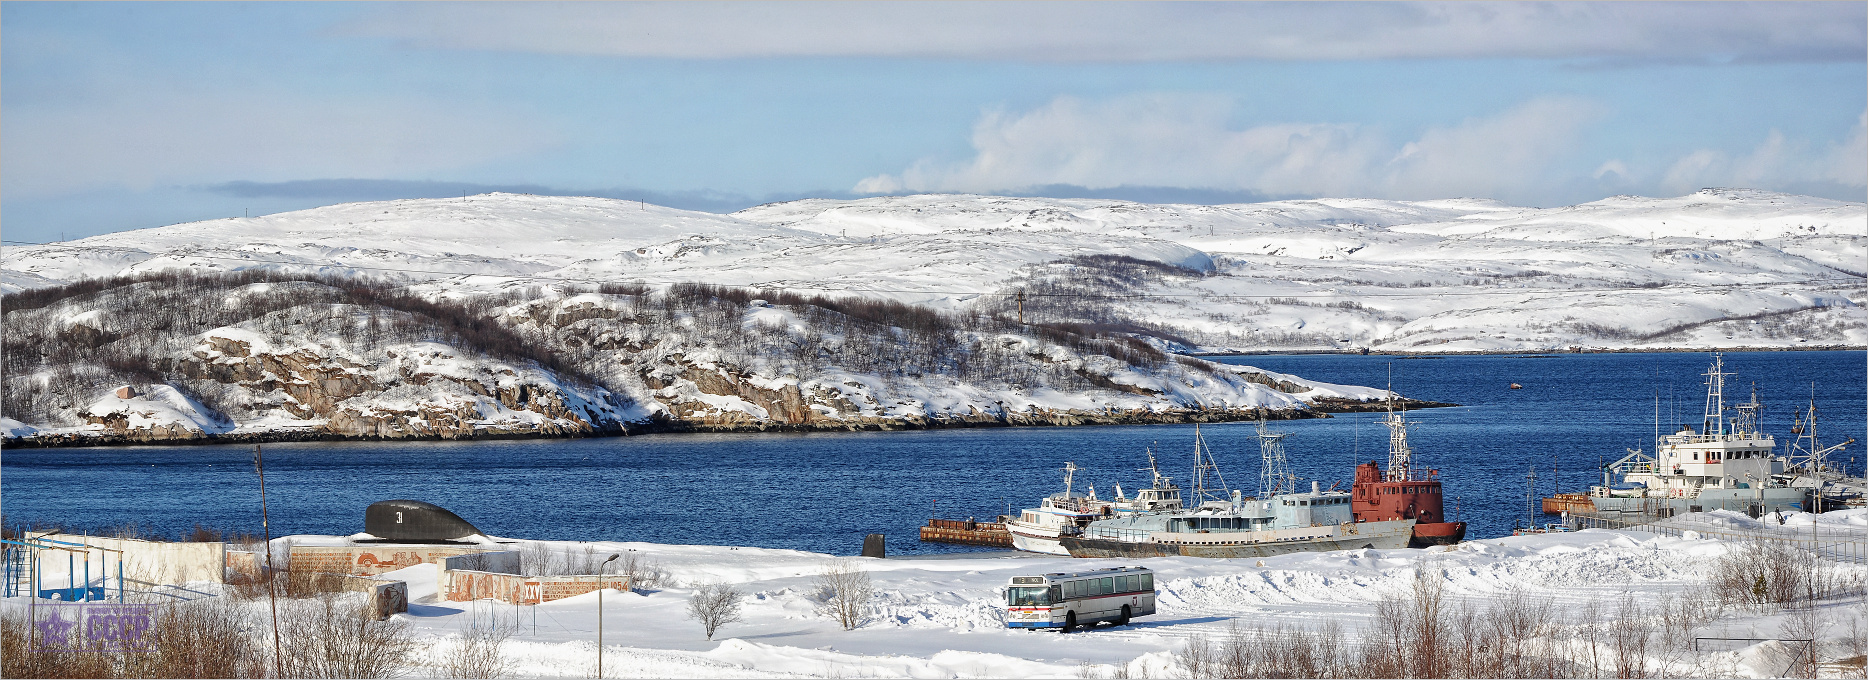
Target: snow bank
point(941, 617)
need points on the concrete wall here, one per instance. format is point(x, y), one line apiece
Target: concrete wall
point(463, 585)
point(148, 561)
point(505, 562)
point(371, 559)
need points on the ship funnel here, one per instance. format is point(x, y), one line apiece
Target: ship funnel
point(1314, 488)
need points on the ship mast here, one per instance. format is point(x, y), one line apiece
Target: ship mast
point(1070, 472)
point(1715, 397)
point(1400, 457)
point(1204, 465)
point(1274, 475)
point(1806, 451)
point(1749, 415)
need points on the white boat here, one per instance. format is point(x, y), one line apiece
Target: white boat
point(1727, 464)
point(1038, 529)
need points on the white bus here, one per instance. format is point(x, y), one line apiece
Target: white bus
point(1065, 601)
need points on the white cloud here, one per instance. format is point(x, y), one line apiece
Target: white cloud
point(1139, 31)
point(1778, 162)
point(144, 140)
point(1185, 141)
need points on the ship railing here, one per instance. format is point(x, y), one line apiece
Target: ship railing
point(1125, 535)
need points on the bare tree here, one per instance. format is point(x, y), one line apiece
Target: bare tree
point(714, 605)
point(844, 591)
point(481, 652)
point(332, 636)
point(642, 572)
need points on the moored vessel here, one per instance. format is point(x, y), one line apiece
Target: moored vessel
point(1318, 520)
point(1726, 464)
point(1404, 491)
point(1279, 520)
point(1037, 529)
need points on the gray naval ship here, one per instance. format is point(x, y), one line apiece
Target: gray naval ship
point(1726, 464)
point(1259, 527)
point(1220, 526)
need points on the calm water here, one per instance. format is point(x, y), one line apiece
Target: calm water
point(823, 492)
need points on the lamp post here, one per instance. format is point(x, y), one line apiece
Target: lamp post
point(601, 586)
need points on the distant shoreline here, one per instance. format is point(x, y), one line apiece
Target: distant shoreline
point(1177, 417)
point(1511, 352)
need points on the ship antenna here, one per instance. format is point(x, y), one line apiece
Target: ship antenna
point(1274, 471)
point(1714, 423)
point(1400, 465)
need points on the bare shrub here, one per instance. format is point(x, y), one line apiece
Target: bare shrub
point(1763, 573)
point(1802, 623)
point(209, 638)
point(1198, 657)
point(1412, 630)
point(844, 591)
point(480, 653)
point(714, 605)
point(537, 559)
point(336, 636)
point(642, 572)
point(1629, 634)
point(582, 562)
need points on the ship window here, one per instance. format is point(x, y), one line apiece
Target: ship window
point(1695, 456)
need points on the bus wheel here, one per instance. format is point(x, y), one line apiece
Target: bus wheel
point(1070, 621)
point(1124, 619)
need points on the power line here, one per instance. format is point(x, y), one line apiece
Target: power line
point(1012, 294)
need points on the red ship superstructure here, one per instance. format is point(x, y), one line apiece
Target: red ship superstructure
point(1403, 491)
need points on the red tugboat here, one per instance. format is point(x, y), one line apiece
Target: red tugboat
point(1403, 491)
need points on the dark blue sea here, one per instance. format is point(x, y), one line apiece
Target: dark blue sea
point(825, 491)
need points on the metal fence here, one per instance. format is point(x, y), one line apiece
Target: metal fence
point(1837, 544)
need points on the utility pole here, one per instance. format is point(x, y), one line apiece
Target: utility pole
point(601, 586)
point(272, 591)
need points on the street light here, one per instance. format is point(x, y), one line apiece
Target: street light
point(601, 568)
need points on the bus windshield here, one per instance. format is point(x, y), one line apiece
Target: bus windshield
point(1028, 596)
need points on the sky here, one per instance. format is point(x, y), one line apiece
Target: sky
point(125, 116)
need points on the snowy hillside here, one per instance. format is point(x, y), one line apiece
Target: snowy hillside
point(259, 355)
point(1718, 268)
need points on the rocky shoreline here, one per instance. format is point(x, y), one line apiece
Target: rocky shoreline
point(665, 425)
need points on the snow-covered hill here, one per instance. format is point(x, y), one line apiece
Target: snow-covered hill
point(1717, 268)
point(261, 356)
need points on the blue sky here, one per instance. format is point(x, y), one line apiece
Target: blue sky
point(121, 116)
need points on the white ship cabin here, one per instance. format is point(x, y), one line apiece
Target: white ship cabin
point(1311, 509)
point(1720, 460)
point(1149, 500)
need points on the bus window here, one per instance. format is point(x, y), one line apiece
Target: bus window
point(1018, 597)
point(1148, 581)
point(1107, 587)
point(1073, 589)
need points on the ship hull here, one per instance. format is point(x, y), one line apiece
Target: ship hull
point(1035, 539)
point(1379, 535)
point(1749, 501)
point(1437, 533)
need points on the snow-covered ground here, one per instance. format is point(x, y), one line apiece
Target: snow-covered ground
point(1717, 268)
point(941, 617)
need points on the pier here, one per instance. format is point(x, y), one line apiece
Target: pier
point(967, 532)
